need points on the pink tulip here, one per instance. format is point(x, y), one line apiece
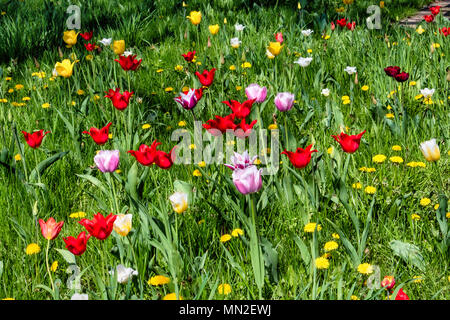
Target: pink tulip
point(188, 100)
point(248, 180)
point(241, 161)
point(254, 91)
point(279, 37)
point(284, 101)
point(107, 160)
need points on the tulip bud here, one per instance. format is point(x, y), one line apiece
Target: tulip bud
point(388, 282)
point(284, 101)
point(107, 160)
point(356, 78)
point(430, 150)
point(122, 224)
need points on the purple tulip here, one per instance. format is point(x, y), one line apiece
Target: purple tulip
point(284, 101)
point(107, 160)
point(254, 91)
point(188, 100)
point(248, 180)
point(241, 161)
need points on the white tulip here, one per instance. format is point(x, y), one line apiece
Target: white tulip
point(304, 62)
point(325, 92)
point(430, 150)
point(307, 32)
point(427, 92)
point(79, 296)
point(124, 274)
point(239, 27)
point(235, 42)
point(106, 41)
point(179, 202)
point(350, 70)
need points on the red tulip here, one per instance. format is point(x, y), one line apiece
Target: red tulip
point(401, 295)
point(89, 46)
point(240, 110)
point(279, 37)
point(351, 26)
point(445, 31)
point(129, 62)
point(34, 139)
point(206, 77)
point(435, 10)
point(333, 26)
point(349, 143)
point(243, 130)
point(391, 71)
point(146, 155)
point(87, 35)
point(220, 125)
point(100, 136)
point(388, 282)
point(189, 56)
point(119, 101)
point(99, 227)
point(165, 160)
point(301, 157)
point(401, 77)
point(77, 245)
point(50, 229)
point(342, 22)
point(429, 18)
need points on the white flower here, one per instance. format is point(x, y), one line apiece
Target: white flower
point(54, 73)
point(430, 150)
point(106, 41)
point(239, 27)
point(80, 296)
point(124, 274)
point(127, 53)
point(325, 92)
point(427, 92)
point(235, 42)
point(304, 62)
point(269, 54)
point(122, 224)
point(350, 70)
point(307, 32)
point(179, 202)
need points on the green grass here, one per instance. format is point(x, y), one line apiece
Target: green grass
point(186, 247)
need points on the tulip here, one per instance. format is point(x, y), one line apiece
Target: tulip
point(146, 155)
point(243, 129)
point(351, 26)
point(304, 62)
point(342, 22)
point(301, 157)
point(195, 17)
point(248, 180)
point(388, 282)
point(80, 296)
point(430, 150)
point(179, 202)
point(165, 160)
point(333, 26)
point(429, 18)
point(254, 91)
point(64, 68)
point(240, 110)
point(275, 48)
point(129, 63)
point(106, 41)
point(235, 42)
point(427, 92)
point(50, 229)
point(269, 54)
point(401, 295)
point(325, 92)
point(220, 125)
point(122, 225)
point(444, 31)
point(119, 47)
point(34, 139)
point(435, 10)
point(391, 71)
point(70, 38)
point(206, 77)
point(349, 143)
point(279, 37)
point(284, 101)
point(119, 101)
point(350, 70)
point(77, 245)
point(99, 227)
point(214, 29)
point(187, 100)
point(401, 77)
point(89, 46)
point(124, 274)
point(189, 56)
point(87, 35)
point(239, 27)
point(100, 136)
point(307, 32)
point(241, 161)
point(107, 160)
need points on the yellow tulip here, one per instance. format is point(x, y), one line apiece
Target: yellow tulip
point(122, 224)
point(70, 38)
point(214, 29)
point(195, 17)
point(64, 68)
point(119, 47)
point(430, 150)
point(275, 48)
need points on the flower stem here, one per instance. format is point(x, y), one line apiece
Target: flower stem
point(48, 267)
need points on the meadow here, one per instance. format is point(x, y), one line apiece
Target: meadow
point(362, 215)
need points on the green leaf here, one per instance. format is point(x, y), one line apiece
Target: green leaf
point(67, 256)
point(131, 184)
point(182, 186)
point(43, 165)
point(408, 252)
point(94, 181)
point(306, 256)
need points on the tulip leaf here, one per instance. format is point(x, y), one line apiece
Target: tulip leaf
point(1, 269)
point(67, 256)
point(410, 253)
point(131, 184)
point(43, 165)
point(306, 256)
point(94, 181)
point(182, 186)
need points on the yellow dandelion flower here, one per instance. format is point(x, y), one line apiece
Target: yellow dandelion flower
point(390, 115)
point(77, 215)
point(417, 279)
point(202, 164)
point(310, 227)
point(19, 86)
point(365, 268)
point(232, 68)
point(46, 105)
point(178, 68)
point(237, 232)
point(238, 88)
point(365, 88)
point(412, 83)
point(425, 201)
point(370, 190)
point(357, 185)
point(224, 289)
point(54, 266)
point(335, 236)
point(246, 65)
point(158, 280)
point(196, 173)
point(172, 296)
point(146, 126)
point(396, 148)
point(168, 89)
point(32, 248)
point(225, 238)
point(353, 297)
point(396, 159)
point(330, 246)
point(415, 217)
point(272, 126)
point(18, 157)
point(322, 263)
point(182, 123)
point(379, 158)
point(80, 92)
point(26, 99)
point(436, 206)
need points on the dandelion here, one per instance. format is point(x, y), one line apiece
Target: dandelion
point(18, 157)
point(335, 236)
point(32, 248)
point(396, 148)
point(237, 232)
point(196, 173)
point(224, 289)
point(54, 266)
point(357, 185)
point(390, 115)
point(46, 105)
point(436, 206)
point(225, 238)
point(370, 190)
point(425, 201)
point(178, 68)
point(353, 297)
point(417, 279)
point(77, 215)
point(158, 280)
point(310, 227)
point(273, 126)
point(168, 89)
point(420, 30)
point(172, 296)
point(182, 123)
point(396, 159)
point(202, 164)
point(365, 88)
point(322, 263)
point(330, 246)
point(379, 158)
point(415, 217)
point(365, 268)
point(146, 126)
point(246, 65)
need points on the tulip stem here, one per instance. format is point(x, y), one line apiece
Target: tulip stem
point(440, 177)
point(111, 182)
point(286, 132)
point(48, 267)
point(37, 169)
point(141, 288)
